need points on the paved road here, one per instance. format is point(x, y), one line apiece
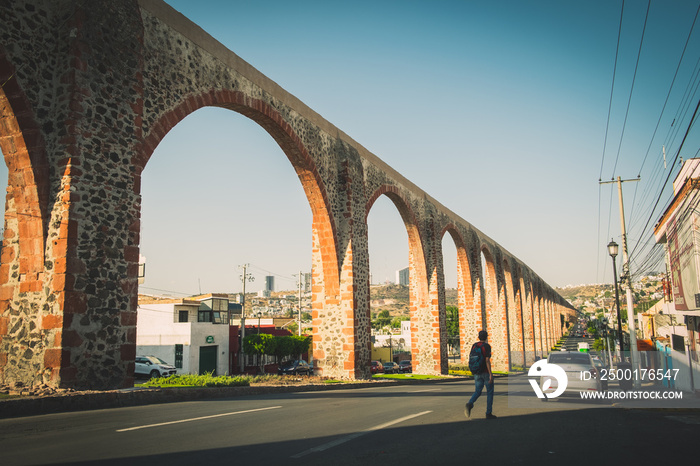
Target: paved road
point(405, 425)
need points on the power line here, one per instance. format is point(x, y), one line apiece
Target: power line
point(675, 75)
point(634, 78)
point(612, 89)
point(690, 125)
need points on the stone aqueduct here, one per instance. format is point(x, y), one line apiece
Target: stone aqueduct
point(89, 89)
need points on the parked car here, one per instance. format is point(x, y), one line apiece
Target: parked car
point(151, 367)
point(377, 367)
point(390, 367)
point(405, 366)
point(580, 370)
point(294, 368)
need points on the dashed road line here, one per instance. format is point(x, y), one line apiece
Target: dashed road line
point(347, 438)
point(197, 419)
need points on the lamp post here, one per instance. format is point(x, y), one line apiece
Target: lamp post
point(612, 250)
point(259, 315)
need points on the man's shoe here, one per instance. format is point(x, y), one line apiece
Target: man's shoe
point(491, 416)
point(468, 409)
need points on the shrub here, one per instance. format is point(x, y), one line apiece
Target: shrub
point(204, 380)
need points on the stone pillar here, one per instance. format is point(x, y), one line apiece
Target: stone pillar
point(515, 320)
point(433, 340)
point(341, 313)
point(537, 315)
point(528, 330)
point(496, 311)
point(424, 310)
point(74, 316)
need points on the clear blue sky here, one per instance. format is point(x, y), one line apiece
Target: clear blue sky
point(497, 109)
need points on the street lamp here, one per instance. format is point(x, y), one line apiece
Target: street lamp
point(259, 315)
point(612, 250)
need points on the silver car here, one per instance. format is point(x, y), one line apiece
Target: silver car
point(151, 366)
point(581, 372)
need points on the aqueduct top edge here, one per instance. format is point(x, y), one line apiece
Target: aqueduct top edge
point(199, 36)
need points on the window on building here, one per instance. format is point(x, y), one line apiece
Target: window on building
point(178, 355)
point(214, 310)
point(183, 316)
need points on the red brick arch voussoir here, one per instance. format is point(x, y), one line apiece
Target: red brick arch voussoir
point(24, 150)
point(291, 144)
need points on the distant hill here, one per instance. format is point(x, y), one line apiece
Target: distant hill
point(583, 291)
point(395, 299)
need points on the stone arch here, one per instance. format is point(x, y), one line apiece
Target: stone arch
point(496, 319)
point(465, 289)
point(415, 242)
point(422, 338)
point(22, 258)
point(324, 231)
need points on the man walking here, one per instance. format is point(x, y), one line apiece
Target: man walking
point(480, 366)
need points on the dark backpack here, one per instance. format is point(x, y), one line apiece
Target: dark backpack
point(477, 360)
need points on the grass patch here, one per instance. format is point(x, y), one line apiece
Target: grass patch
point(464, 373)
point(209, 380)
point(407, 376)
point(190, 380)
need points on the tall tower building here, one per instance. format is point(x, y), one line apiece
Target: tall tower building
point(402, 277)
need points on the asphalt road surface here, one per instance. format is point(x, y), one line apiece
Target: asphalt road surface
point(408, 424)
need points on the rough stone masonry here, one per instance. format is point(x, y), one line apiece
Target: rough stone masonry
point(89, 89)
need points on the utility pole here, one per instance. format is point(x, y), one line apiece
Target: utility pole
point(244, 277)
point(627, 275)
point(299, 283)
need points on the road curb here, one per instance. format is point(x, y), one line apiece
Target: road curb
point(82, 401)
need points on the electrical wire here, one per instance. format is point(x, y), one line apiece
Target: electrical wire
point(675, 75)
point(634, 79)
point(612, 89)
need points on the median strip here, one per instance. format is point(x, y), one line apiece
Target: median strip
point(347, 438)
point(197, 419)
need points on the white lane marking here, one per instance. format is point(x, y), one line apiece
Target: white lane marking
point(427, 390)
point(347, 438)
point(197, 419)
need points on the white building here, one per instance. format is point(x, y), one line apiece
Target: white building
point(400, 342)
point(679, 231)
point(193, 335)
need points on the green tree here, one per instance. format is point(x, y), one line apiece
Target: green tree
point(300, 344)
point(259, 344)
point(452, 318)
point(382, 320)
point(396, 321)
point(599, 344)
